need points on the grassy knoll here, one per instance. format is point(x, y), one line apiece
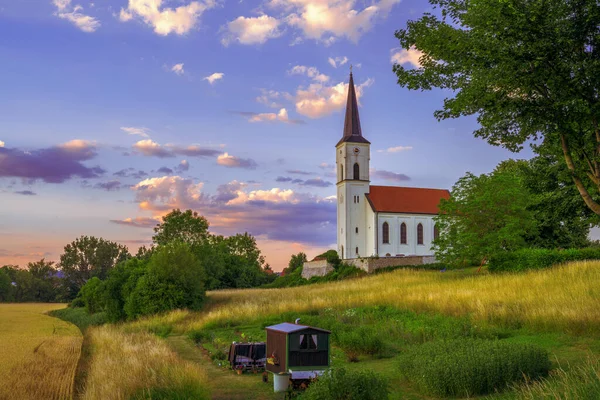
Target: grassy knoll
point(38, 353)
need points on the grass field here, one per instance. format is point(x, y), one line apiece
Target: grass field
point(39, 353)
point(373, 319)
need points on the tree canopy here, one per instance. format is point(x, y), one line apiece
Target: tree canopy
point(529, 70)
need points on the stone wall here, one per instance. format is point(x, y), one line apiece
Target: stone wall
point(371, 264)
point(316, 268)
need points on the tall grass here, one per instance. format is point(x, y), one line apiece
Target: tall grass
point(559, 299)
point(139, 365)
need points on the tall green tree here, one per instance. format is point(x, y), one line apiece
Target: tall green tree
point(297, 261)
point(183, 226)
point(6, 287)
point(485, 214)
point(89, 257)
point(529, 70)
point(46, 284)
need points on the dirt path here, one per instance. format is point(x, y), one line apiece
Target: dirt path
point(224, 384)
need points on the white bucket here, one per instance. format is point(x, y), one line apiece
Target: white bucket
point(281, 382)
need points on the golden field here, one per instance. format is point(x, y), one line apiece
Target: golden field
point(39, 353)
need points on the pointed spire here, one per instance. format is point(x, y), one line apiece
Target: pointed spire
point(352, 129)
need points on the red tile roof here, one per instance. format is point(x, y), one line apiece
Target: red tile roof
point(394, 199)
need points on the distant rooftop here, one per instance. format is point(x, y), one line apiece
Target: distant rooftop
point(290, 328)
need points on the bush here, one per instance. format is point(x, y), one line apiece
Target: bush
point(361, 340)
point(526, 259)
point(92, 295)
point(338, 384)
point(468, 367)
point(174, 279)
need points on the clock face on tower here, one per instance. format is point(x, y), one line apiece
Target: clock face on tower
point(356, 150)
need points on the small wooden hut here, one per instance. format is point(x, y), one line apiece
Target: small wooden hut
point(300, 350)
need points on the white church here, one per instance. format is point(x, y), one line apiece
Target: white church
point(384, 221)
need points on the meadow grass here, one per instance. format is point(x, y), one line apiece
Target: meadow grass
point(139, 365)
point(38, 353)
point(562, 299)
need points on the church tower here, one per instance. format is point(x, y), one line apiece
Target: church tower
point(352, 164)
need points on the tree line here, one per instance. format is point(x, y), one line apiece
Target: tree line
point(183, 253)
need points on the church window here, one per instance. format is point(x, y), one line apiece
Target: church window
point(386, 233)
point(420, 234)
point(436, 232)
point(341, 172)
point(357, 229)
point(356, 172)
point(403, 233)
point(356, 250)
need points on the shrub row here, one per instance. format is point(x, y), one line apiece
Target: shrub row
point(468, 367)
point(79, 317)
point(526, 259)
point(339, 384)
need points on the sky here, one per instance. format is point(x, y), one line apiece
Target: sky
point(114, 112)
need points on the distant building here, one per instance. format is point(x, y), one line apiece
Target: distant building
point(378, 220)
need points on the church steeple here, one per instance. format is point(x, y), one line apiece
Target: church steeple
point(352, 130)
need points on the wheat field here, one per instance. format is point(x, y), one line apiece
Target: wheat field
point(39, 353)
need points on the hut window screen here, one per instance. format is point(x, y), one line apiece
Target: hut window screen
point(308, 342)
point(420, 234)
point(386, 233)
point(403, 233)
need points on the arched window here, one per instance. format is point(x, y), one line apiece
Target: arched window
point(436, 232)
point(356, 172)
point(386, 233)
point(420, 234)
point(357, 250)
point(341, 172)
point(403, 233)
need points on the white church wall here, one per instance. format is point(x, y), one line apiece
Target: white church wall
point(371, 231)
point(394, 247)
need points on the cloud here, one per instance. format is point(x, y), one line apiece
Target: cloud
point(75, 16)
point(230, 161)
point(283, 179)
point(281, 116)
point(319, 100)
point(165, 170)
point(26, 193)
point(326, 21)
point(131, 130)
point(316, 182)
point(270, 98)
point(389, 176)
point(52, 165)
point(214, 77)
point(150, 148)
point(298, 172)
point(311, 72)
point(131, 172)
point(139, 222)
point(251, 30)
point(275, 214)
point(108, 186)
point(337, 61)
point(402, 56)
point(1, 143)
point(326, 166)
point(178, 69)
point(396, 149)
point(165, 20)
point(183, 166)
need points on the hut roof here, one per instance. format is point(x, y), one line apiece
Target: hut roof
point(290, 328)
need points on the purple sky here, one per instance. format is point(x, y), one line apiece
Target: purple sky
point(114, 112)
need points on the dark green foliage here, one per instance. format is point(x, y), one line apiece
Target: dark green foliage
point(36, 283)
point(182, 226)
point(288, 280)
point(361, 340)
point(526, 259)
point(92, 295)
point(485, 215)
point(422, 267)
point(6, 288)
point(174, 279)
point(527, 69)
point(119, 285)
point(89, 257)
point(79, 317)
point(343, 271)
point(339, 384)
point(332, 257)
point(296, 262)
point(468, 367)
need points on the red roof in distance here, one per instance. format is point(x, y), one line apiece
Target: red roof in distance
point(408, 200)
